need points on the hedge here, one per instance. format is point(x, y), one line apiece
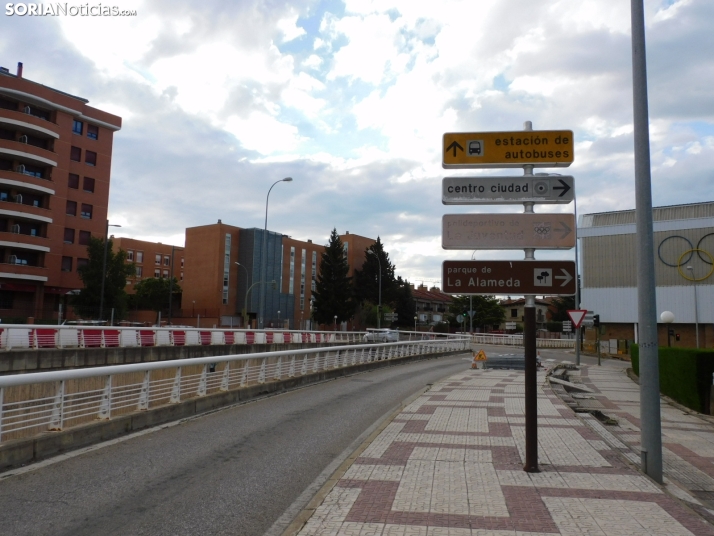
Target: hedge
point(685, 375)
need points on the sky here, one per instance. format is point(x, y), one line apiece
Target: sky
point(351, 98)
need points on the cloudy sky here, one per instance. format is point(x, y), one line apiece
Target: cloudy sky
point(351, 98)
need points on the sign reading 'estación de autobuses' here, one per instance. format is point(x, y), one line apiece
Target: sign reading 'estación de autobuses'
point(542, 148)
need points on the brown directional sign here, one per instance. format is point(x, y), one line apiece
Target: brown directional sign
point(508, 231)
point(544, 278)
point(539, 148)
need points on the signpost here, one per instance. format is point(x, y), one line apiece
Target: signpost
point(510, 325)
point(528, 149)
point(542, 148)
point(567, 326)
point(392, 317)
point(508, 231)
point(552, 278)
point(507, 190)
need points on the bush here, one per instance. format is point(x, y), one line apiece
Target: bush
point(554, 327)
point(685, 375)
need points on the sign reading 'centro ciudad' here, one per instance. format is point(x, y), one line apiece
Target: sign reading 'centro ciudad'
point(506, 190)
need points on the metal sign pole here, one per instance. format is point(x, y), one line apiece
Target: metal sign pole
point(530, 356)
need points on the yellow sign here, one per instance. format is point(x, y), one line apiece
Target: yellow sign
point(539, 148)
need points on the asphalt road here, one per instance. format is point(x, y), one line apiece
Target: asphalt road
point(235, 471)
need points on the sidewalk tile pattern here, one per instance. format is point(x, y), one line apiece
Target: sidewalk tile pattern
point(451, 464)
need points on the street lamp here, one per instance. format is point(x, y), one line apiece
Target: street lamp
point(263, 253)
point(335, 329)
point(245, 309)
point(379, 306)
point(690, 269)
point(415, 320)
point(668, 317)
point(104, 269)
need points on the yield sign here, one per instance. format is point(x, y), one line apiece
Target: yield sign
point(577, 316)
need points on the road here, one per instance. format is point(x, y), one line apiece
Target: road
point(234, 471)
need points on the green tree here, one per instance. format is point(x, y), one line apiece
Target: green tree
point(487, 310)
point(153, 293)
point(366, 280)
point(333, 287)
point(87, 302)
point(404, 304)
point(560, 308)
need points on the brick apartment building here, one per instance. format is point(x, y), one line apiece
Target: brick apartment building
point(222, 267)
point(152, 259)
point(55, 163)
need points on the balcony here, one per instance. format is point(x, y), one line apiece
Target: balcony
point(14, 150)
point(24, 241)
point(23, 272)
point(25, 183)
point(28, 124)
point(18, 211)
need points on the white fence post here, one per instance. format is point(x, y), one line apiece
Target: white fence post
point(144, 394)
point(226, 376)
point(202, 382)
point(176, 389)
point(57, 419)
point(105, 408)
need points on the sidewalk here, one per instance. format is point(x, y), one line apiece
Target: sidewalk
point(451, 464)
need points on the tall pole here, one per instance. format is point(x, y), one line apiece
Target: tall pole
point(263, 255)
point(104, 269)
point(651, 426)
point(577, 283)
point(379, 306)
point(530, 355)
point(171, 284)
point(690, 269)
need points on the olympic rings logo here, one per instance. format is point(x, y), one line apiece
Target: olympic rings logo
point(689, 254)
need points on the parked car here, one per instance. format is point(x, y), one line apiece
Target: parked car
point(382, 335)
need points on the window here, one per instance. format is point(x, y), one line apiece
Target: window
point(90, 158)
point(514, 313)
point(6, 296)
point(87, 211)
point(291, 281)
point(181, 276)
point(67, 264)
point(73, 181)
point(181, 262)
point(139, 271)
point(226, 266)
point(84, 238)
point(166, 274)
point(81, 263)
point(77, 127)
point(302, 280)
point(314, 271)
point(88, 185)
point(157, 273)
point(35, 171)
point(167, 260)
point(71, 208)
point(93, 132)
point(68, 235)
point(130, 254)
point(139, 256)
point(157, 259)
point(75, 154)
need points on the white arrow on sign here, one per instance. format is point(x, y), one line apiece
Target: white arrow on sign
point(566, 276)
point(577, 316)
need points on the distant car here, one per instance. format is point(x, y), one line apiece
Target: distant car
point(382, 335)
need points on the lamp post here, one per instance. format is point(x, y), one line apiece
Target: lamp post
point(379, 306)
point(104, 269)
point(690, 269)
point(415, 321)
point(263, 254)
point(335, 328)
point(245, 309)
point(668, 317)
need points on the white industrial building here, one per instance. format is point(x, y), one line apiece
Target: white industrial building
point(684, 271)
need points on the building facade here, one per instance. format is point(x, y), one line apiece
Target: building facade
point(432, 305)
point(55, 165)
point(152, 259)
point(683, 265)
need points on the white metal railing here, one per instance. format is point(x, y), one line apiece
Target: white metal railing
point(27, 336)
point(37, 402)
point(517, 340)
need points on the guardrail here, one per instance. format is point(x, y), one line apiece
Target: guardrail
point(37, 402)
point(517, 340)
point(23, 336)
